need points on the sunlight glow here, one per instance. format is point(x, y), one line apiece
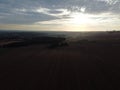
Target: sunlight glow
point(80, 19)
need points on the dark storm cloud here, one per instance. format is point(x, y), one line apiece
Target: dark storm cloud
point(31, 11)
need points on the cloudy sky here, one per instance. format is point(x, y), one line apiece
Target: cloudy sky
point(64, 15)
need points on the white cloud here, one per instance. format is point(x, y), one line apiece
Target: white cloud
point(32, 11)
point(21, 10)
point(76, 18)
point(63, 12)
point(42, 10)
point(53, 12)
point(82, 9)
point(110, 1)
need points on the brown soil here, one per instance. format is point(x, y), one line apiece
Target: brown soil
point(75, 67)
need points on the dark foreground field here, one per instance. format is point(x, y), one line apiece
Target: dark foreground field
point(81, 65)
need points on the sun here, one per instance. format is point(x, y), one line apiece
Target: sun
point(80, 19)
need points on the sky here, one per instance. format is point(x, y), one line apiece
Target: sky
point(60, 15)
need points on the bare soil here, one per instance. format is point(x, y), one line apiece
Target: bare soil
point(74, 67)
